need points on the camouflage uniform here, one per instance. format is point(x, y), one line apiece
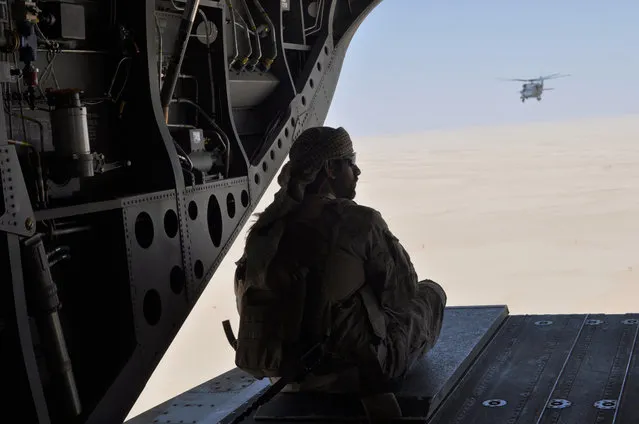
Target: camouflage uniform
point(406, 319)
point(333, 264)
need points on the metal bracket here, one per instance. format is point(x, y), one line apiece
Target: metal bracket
point(606, 404)
point(494, 403)
point(559, 403)
point(18, 217)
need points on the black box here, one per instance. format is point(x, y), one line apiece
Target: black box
point(190, 139)
point(70, 21)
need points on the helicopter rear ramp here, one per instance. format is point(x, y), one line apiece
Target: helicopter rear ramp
point(488, 367)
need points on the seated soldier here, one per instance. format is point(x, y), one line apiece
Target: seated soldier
point(319, 268)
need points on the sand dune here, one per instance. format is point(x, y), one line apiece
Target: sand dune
point(543, 217)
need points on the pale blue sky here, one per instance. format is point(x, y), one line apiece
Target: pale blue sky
point(416, 65)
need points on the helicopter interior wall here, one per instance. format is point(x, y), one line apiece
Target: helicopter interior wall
point(134, 242)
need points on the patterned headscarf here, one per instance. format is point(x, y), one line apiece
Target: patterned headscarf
point(307, 157)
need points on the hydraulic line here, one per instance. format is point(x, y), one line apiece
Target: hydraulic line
point(161, 52)
point(253, 63)
point(216, 127)
point(209, 62)
point(181, 42)
point(268, 61)
point(242, 63)
point(237, 52)
point(45, 303)
point(319, 19)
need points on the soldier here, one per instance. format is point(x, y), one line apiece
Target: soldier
point(320, 269)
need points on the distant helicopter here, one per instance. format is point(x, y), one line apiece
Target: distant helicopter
point(535, 86)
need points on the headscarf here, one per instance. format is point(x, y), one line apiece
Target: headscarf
point(308, 155)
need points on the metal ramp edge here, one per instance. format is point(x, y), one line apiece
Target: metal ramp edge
point(466, 332)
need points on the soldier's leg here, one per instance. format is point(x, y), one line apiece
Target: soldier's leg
point(422, 324)
point(436, 300)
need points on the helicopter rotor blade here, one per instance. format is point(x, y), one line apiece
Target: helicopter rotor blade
point(517, 79)
point(553, 76)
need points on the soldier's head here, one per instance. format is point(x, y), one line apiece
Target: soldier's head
point(321, 161)
point(325, 157)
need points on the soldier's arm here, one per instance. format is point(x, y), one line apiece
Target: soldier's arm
point(389, 269)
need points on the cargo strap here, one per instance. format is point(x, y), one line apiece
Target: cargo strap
point(309, 361)
point(374, 311)
point(228, 332)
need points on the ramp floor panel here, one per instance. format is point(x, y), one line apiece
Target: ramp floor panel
point(551, 369)
point(628, 408)
point(465, 332)
point(487, 367)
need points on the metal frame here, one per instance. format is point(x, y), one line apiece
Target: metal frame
point(132, 280)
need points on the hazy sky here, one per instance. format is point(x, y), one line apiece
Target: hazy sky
point(416, 65)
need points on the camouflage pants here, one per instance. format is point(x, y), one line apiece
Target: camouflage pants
point(410, 334)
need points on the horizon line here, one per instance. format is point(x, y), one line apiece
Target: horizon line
point(465, 128)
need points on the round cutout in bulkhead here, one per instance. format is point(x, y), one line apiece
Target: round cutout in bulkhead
point(198, 269)
point(170, 223)
point(144, 232)
point(230, 205)
point(152, 307)
point(192, 210)
point(177, 280)
point(214, 220)
point(244, 197)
